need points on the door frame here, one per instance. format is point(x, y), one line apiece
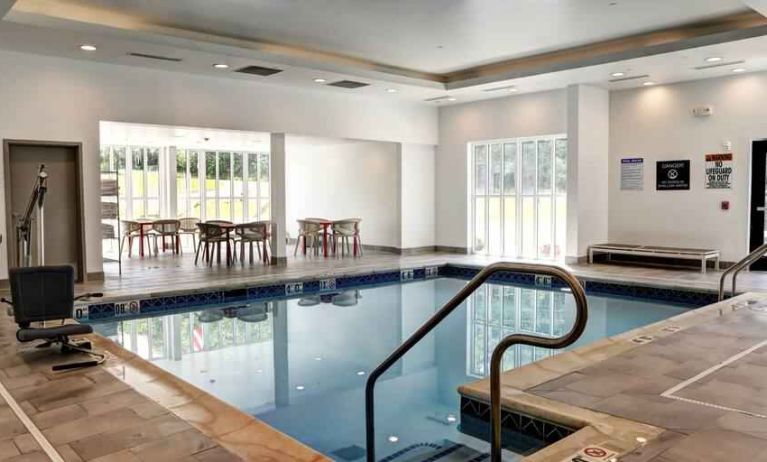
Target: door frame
point(82, 273)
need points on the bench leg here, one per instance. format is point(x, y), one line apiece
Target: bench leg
point(591, 256)
point(703, 265)
point(716, 264)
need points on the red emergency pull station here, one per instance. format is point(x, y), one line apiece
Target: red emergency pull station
point(725, 205)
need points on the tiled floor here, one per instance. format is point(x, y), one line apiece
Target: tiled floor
point(86, 414)
point(158, 274)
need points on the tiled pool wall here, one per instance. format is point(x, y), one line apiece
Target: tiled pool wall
point(475, 421)
point(133, 307)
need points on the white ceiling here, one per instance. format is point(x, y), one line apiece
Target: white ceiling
point(185, 137)
point(434, 36)
point(571, 19)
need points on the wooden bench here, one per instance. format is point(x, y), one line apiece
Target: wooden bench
point(704, 255)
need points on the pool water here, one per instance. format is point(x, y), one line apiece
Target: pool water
point(301, 364)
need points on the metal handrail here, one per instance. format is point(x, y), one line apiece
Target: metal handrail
point(448, 308)
point(581, 316)
point(748, 260)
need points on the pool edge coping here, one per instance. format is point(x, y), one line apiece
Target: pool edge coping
point(592, 427)
point(185, 400)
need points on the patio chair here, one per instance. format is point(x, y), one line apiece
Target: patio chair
point(42, 294)
point(189, 227)
point(130, 230)
point(308, 235)
point(163, 229)
point(212, 235)
point(249, 233)
point(343, 230)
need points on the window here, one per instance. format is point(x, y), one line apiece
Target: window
point(205, 184)
point(496, 311)
point(223, 185)
point(519, 197)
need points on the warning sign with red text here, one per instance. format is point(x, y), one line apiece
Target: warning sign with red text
point(719, 171)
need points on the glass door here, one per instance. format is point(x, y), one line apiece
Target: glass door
point(519, 197)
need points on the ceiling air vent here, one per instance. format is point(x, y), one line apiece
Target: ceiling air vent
point(156, 57)
point(711, 66)
point(507, 87)
point(629, 78)
point(439, 99)
point(259, 70)
point(348, 84)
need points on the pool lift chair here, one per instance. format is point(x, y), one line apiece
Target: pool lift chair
point(43, 294)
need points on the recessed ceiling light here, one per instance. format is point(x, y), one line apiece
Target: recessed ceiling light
point(88, 47)
point(512, 89)
point(319, 80)
point(451, 99)
point(617, 74)
point(221, 66)
point(360, 372)
point(738, 70)
point(713, 59)
point(391, 90)
point(649, 83)
point(393, 438)
point(300, 387)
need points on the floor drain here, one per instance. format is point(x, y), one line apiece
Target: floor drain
point(642, 339)
point(671, 329)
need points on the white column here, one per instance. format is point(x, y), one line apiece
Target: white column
point(588, 124)
point(278, 183)
point(416, 190)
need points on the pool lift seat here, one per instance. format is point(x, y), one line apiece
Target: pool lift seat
point(43, 294)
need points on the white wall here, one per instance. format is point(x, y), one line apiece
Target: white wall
point(46, 98)
point(346, 180)
point(416, 195)
point(655, 123)
point(532, 114)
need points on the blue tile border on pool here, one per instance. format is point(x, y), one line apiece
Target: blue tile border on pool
point(313, 286)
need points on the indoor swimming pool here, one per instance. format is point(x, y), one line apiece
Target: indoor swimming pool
point(301, 364)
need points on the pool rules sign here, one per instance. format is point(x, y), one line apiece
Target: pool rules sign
point(719, 171)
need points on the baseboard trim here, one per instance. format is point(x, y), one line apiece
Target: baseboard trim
point(279, 261)
point(456, 250)
point(577, 260)
point(95, 276)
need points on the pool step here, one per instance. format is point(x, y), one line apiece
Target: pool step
point(442, 451)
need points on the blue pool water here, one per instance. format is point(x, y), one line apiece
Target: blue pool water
point(301, 364)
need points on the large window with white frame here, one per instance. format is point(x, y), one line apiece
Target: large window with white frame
point(223, 185)
point(519, 197)
point(204, 184)
point(139, 173)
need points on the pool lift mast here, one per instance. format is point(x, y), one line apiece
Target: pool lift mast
point(24, 225)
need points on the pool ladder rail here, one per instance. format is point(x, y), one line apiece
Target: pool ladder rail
point(581, 316)
point(747, 261)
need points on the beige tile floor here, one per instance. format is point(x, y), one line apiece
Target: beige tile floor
point(169, 273)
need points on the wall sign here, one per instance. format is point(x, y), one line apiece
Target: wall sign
point(719, 171)
point(672, 175)
point(632, 174)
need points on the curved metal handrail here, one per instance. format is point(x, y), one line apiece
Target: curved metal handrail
point(443, 312)
point(581, 316)
point(738, 267)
